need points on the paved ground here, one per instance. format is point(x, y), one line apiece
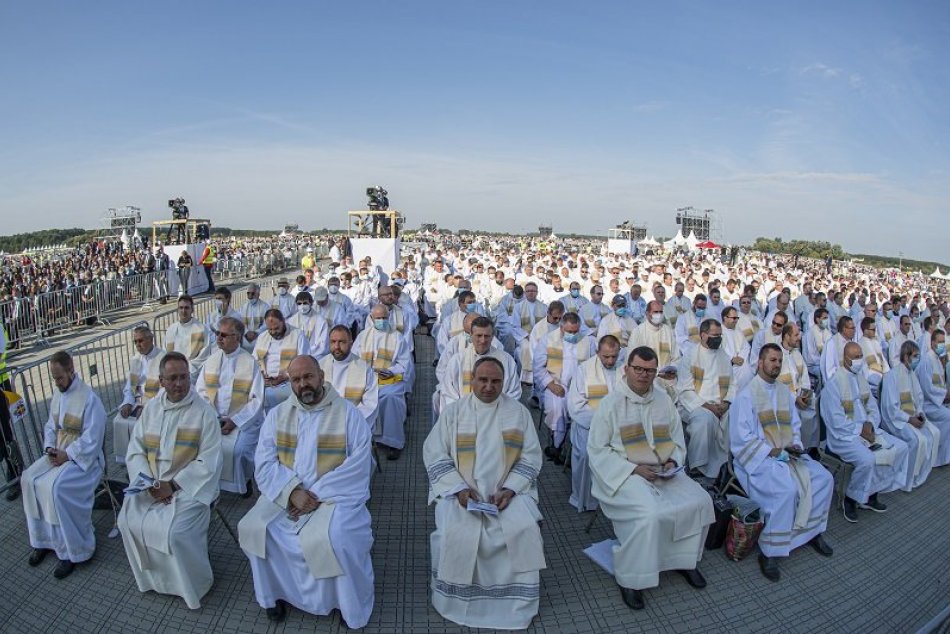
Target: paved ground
point(889, 572)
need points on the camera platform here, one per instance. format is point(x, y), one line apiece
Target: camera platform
point(191, 235)
point(375, 233)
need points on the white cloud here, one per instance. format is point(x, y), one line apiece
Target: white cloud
point(822, 70)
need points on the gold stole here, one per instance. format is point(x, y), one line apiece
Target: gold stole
point(187, 440)
point(331, 440)
point(512, 437)
point(526, 319)
point(197, 340)
point(846, 393)
point(634, 437)
point(595, 376)
point(790, 380)
point(252, 320)
point(821, 338)
point(555, 347)
point(380, 352)
point(354, 379)
point(601, 310)
point(288, 347)
point(151, 382)
point(241, 382)
point(776, 422)
point(935, 366)
point(455, 322)
point(723, 378)
point(905, 386)
point(67, 410)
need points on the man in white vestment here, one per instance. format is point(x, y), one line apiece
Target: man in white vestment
point(736, 347)
point(931, 374)
point(853, 420)
point(795, 376)
point(904, 333)
point(384, 349)
point(274, 348)
point(876, 364)
point(660, 515)
point(657, 334)
point(617, 322)
point(687, 326)
point(176, 445)
point(834, 350)
point(556, 357)
point(308, 537)
point(594, 379)
point(793, 491)
point(231, 382)
point(351, 377)
point(705, 389)
point(313, 327)
point(573, 301)
point(772, 334)
point(676, 306)
point(902, 414)
point(593, 312)
point(58, 489)
point(528, 315)
point(284, 301)
point(456, 380)
point(814, 341)
point(189, 336)
point(141, 385)
point(252, 314)
point(485, 563)
point(749, 324)
point(222, 309)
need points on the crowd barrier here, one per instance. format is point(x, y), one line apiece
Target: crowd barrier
point(31, 321)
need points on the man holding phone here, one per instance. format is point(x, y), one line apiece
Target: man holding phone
point(793, 491)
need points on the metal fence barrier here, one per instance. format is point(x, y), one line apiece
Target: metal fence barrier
point(30, 321)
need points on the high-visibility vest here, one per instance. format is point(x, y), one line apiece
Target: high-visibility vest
point(207, 258)
point(4, 374)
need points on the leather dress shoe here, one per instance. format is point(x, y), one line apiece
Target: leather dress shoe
point(769, 567)
point(873, 504)
point(849, 508)
point(694, 578)
point(250, 490)
point(393, 453)
point(38, 555)
point(819, 544)
point(63, 569)
point(633, 598)
point(277, 613)
point(13, 492)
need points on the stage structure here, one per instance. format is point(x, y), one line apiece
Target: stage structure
point(545, 231)
point(118, 221)
point(190, 235)
point(704, 223)
point(624, 237)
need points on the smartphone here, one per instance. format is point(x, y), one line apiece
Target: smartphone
point(794, 451)
point(875, 446)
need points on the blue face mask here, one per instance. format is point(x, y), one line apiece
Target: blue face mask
point(914, 362)
point(621, 312)
point(700, 313)
point(471, 308)
point(381, 324)
point(575, 293)
point(572, 337)
point(941, 349)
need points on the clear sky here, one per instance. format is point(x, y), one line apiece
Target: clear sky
point(814, 120)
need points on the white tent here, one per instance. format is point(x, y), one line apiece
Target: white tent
point(937, 274)
point(677, 241)
point(649, 242)
point(692, 241)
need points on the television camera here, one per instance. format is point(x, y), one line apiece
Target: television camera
point(378, 200)
point(179, 209)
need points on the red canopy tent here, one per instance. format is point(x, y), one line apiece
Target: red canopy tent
point(708, 244)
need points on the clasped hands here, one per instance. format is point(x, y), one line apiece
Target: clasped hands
point(718, 409)
point(163, 492)
point(302, 501)
point(648, 472)
point(56, 457)
point(501, 499)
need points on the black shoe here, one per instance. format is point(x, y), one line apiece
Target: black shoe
point(819, 544)
point(554, 454)
point(13, 492)
point(874, 505)
point(633, 598)
point(534, 402)
point(277, 613)
point(813, 453)
point(249, 491)
point(435, 362)
point(848, 506)
point(63, 569)
point(769, 567)
point(694, 578)
point(393, 454)
point(38, 555)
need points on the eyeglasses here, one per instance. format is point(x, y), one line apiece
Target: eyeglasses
point(639, 369)
point(225, 335)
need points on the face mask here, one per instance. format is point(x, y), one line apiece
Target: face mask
point(334, 289)
point(572, 337)
point(251, 300)
point(941, 349)
point(282, 291)
point(575, 293)
point(914, 362)
point(471, 308)
point(857, 365)
point(700, 313)
point(824, 323)
point(219, 305)
point(889, 313)
point(714, 343)
point(305, 308)
point(621, 312)
point(381, 324)
point(656, 318)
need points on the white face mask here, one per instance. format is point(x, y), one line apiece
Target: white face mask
point(305, 308)
point(282, 291)
point(334, 289)
point(857, 365)
point(656, 318)
point(219, 305)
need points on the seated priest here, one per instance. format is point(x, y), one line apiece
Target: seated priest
point(351, 377)
point(274, 348)
point(189, 336)
point(140, 387)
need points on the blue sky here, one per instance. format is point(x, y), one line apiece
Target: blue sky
point(802, 120)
